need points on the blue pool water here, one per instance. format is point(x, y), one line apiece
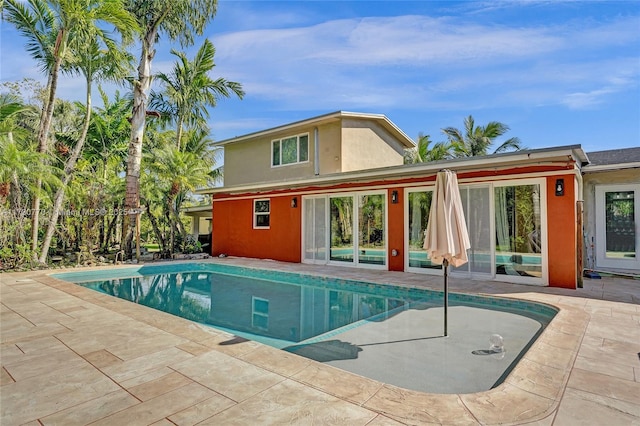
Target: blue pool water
point(358, 326)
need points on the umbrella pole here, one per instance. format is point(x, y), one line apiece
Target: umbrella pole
point(445, 266)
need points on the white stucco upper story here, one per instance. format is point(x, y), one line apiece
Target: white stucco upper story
point(332, 143)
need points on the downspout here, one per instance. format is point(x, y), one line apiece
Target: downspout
point(316, 151)
point(580, 246)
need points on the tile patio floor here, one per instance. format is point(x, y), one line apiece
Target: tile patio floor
point(72, 356)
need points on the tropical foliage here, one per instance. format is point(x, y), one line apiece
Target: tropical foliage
point(65, 166)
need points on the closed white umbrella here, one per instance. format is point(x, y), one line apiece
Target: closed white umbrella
point(446, 238)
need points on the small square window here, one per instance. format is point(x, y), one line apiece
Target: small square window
point(261, 213)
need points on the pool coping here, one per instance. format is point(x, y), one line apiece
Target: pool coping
point(531, 392)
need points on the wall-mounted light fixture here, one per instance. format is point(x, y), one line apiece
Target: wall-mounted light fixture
point(559, 187)
point(294, 202)
point(394, 197)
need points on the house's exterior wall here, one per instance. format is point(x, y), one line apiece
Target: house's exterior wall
point(366, 145)
point(562, 233)
point(234, 234)
point(250, 162)
point(396, 229)
point(344, 145)
point(329, 142)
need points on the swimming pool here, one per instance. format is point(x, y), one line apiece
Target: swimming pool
point(357, 326)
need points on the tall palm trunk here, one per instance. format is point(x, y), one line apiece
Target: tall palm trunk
point(68, 173)
point(179, 132)
point(138, 119)
point(43, 133)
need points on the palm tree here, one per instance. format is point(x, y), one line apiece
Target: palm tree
point(107, 140)
point(178, 20)
point(96, 64)
point(476, 141)
point(177, 172)
point(20, 164)
point(188, 90)
point(49, 27)
point(423, 154)
point(106, 150)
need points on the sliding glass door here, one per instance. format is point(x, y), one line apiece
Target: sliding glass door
point(353, 226)
point(506, 231)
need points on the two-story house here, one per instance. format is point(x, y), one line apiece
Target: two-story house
point(333, 189)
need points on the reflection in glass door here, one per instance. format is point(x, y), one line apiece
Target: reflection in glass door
point(518, 232)
point(476, 202)
point(341, 229)
point(419, 204)
point(617, 217)
point(620, 228)
point(371, 229)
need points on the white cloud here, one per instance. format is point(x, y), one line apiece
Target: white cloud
point(387, 61)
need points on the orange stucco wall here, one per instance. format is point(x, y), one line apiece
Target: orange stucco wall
point(562, 233)
point(396, 230)
point(233, 232)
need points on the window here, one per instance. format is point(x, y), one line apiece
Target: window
point(261, 213)
point(260, 313)
point(290, 150)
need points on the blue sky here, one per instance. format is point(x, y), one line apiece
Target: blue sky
point(556, 72)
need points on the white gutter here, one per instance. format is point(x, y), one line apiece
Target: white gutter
point(610, 167)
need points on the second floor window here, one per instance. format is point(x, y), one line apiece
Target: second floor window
point(290, 150)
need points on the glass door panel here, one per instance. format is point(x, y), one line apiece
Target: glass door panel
point(477, 213)
point(371, 229)
point(315, 230)
point(341, 234)
point(518, 231)
point(418, 209)
point(620, 225)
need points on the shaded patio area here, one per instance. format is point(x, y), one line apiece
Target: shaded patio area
point(71, 356)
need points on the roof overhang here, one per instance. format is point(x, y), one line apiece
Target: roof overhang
point(198, 211)
point(591, 168)
point(325, 119)
point(572, 154)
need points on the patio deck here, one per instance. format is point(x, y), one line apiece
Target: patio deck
point(72, 356)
